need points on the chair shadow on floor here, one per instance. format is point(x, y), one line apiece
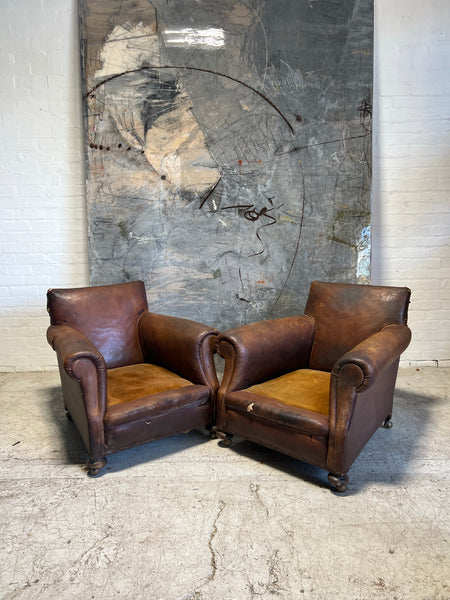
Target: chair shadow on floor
point(74, 452)
point(387, 458)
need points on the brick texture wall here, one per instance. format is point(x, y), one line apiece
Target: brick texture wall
point(411, 166)
point(42, 208)
point(42, 204)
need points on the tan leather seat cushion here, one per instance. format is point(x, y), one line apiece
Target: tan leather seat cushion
point(305, 388)
point(137, 381)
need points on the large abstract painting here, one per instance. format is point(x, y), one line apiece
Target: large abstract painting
point(228, 150)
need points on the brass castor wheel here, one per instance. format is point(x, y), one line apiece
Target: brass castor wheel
point(212, 433)
point(340, 482)
point(94, 466)
point(225, 439)
point(226, 442)
point(387, 423)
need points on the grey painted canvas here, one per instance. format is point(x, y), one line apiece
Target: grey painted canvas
point(228, 150)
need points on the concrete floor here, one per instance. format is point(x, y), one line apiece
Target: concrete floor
point(184, 519)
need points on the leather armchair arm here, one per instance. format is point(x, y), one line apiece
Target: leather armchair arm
point(83, 378)
point(263, 350)
point(375, 354)
point(180, 345)
point(71, 346)
point(361, 393)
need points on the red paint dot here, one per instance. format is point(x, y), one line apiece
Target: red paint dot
point(239, 162)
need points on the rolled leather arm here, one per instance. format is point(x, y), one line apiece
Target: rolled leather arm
point(260, 351)
point(71, 345)
point(376, 353)
point(180, 345)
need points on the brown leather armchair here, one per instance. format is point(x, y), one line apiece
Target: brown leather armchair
point(128, 375)
point(316, 386)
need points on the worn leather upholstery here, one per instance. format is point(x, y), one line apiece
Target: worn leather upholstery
point(316, 386)
point(128, 375)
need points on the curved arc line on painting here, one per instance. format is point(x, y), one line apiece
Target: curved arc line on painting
point(254, 90)
point(147, 68)
point(297, 245)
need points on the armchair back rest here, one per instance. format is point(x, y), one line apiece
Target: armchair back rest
point(346, 314)
point(108, 315)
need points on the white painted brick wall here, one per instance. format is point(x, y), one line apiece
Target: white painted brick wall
point(42, 205)
point(42, 214)
point(411, 166)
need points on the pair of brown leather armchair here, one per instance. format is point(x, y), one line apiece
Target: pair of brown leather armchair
point(315, 387)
